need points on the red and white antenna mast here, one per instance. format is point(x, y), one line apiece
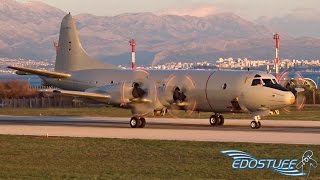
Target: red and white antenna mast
point(133, 44)
point(276, 37)
point(56, 46)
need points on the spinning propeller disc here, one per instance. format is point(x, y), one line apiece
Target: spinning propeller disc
point(179, 93)
point(140, 92)
point(293, 83)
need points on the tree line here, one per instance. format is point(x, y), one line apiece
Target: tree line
point(17, 89)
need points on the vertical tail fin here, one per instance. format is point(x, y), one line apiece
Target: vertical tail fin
point(71, 56)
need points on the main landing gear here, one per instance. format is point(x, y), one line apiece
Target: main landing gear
point(216, 120)
point(256, 124)
point(137, 122)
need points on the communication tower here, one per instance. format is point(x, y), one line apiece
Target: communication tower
point(133, 44)
point(276, 37)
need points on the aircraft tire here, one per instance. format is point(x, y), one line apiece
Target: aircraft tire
point(221, 120)
point(143, 122)
point(135, 122)
point(259, 125)
point(254, 125)
point(214, 120)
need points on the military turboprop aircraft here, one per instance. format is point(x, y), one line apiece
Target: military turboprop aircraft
point(147, 91)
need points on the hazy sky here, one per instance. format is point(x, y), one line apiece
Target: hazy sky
point(251, 9)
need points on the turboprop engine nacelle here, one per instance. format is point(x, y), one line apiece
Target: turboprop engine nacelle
point(172, 94)
point(120, 93)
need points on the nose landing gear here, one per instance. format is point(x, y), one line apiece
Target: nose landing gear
point(216, 120)
point(256, 124)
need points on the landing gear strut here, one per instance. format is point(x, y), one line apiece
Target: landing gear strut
point(256, 124)
point(137, 122)
point(216, 120)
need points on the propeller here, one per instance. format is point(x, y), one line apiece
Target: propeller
point(296, 84)
point(142, 96)
point(177, 94)
point(137, 91)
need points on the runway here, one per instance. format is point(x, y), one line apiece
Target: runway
point(234, 130)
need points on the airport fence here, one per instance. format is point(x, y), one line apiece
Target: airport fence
point(42, 102)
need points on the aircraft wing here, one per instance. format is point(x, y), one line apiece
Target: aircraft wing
point(141, 101)
point(45, 73)
point(82, 94)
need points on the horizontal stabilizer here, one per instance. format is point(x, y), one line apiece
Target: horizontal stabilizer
point(82, 94)
point(39, 72)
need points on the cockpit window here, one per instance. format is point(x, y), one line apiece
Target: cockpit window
point(273, 84)
point(257, 76)
point(275, 81)
point(267, 81)
point(256, 82)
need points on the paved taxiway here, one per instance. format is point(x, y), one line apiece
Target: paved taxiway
point(272, 131)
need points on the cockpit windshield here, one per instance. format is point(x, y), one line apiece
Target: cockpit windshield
point(267, 81)
point(270, 83)
point(275, 81)
point(256, 82)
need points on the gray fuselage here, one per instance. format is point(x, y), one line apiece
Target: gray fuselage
point(214, 91)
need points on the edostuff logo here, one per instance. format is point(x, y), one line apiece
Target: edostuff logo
point(288, 167)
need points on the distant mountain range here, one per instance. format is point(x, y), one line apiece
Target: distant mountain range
point(302, 22)
point(28, 30)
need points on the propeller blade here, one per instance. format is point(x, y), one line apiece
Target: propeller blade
point(144, 93)
point(178, 95)
point(299, 90)
point(296, 85)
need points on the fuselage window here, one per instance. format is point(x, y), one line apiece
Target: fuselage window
point(256, 82)
point(224, 86)
point(111, 82)
point(69, 45)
